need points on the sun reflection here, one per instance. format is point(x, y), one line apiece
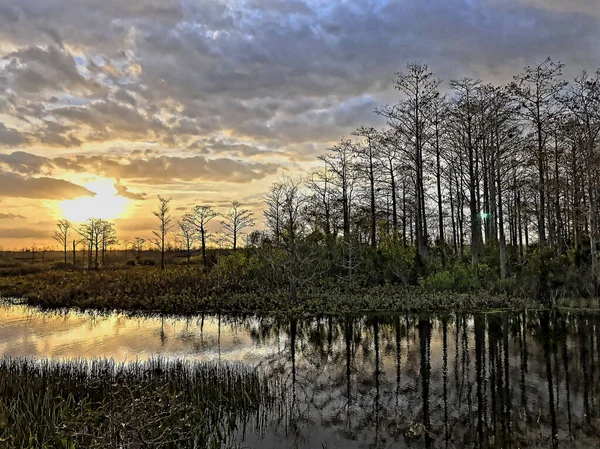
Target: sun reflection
point(106, 204)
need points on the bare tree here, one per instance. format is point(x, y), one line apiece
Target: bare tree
point(90, 232)
point(108, 237)
point(188, 235)
point(467, 136)
point(138, 244)
point(235, 221)
point(389, 155)
point(582, 101)
point(272, 212)
point(536, 90)
point(199, 219)
point(412, 118)
point(165, 224)
point(291, 208)
point(368, 167)
point(61, 235)
point(340, 162)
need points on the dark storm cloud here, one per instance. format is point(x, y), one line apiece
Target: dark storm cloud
point(18, 186)
point(286, 75)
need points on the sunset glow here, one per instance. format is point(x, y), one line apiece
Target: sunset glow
point(106, 204)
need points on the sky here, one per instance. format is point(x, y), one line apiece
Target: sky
point(105, 104)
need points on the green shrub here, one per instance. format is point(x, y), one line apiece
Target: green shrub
point(442, 281)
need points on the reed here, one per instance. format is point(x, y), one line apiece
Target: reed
point(100, 403)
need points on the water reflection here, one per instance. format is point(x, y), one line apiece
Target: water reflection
point(486, 380)
point(26, 332)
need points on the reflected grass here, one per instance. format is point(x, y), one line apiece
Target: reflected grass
point(100, 403)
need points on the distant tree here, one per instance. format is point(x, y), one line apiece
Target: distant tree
point(90, 232)
point(108, 237)
point(199, 219)
point(292, 207)
point(389, 155)
point(272, 211)
point(74, 244)
point(61, 235)
point(165, 224)
point(187, 235)
point(235, 221)
point(138, 244)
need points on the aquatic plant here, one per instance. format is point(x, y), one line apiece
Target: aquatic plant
point(100, 403)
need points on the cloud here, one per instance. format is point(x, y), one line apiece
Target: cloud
point(22, 233)
point(124, 192)
point(10, 216)
point(584, 7)
point(278, 73)
point(227, 91)
point(18, 186)
point(35, 69)
point(26, 163)
point(144, 167)
point(11, 137)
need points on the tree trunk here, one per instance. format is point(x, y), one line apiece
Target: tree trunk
point(542, 191)
point(372, 185)
point(162, 252)
point(502, 239)
point(593, 228)
point(203, 235)
point(439, 194)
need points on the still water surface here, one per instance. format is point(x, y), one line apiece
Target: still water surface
point(487, 380)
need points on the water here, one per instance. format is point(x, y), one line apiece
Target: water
point(488, 380)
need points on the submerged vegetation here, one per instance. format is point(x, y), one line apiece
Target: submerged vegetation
point(101, 404)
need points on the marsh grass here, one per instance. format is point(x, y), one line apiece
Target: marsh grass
point(101, 404)
point(189, 291)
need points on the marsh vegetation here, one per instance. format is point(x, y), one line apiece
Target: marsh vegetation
point(100, 403)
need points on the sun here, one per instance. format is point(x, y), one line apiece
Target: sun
point(106, 204)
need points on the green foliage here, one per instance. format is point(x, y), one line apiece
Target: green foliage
point(462, 277)
point(326, 272)
point(397, 260)
point(441, 281)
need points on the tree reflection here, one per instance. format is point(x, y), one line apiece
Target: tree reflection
point(411, 380)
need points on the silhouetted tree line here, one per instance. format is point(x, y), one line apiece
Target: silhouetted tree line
point(497, 174)
point(499, 181)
